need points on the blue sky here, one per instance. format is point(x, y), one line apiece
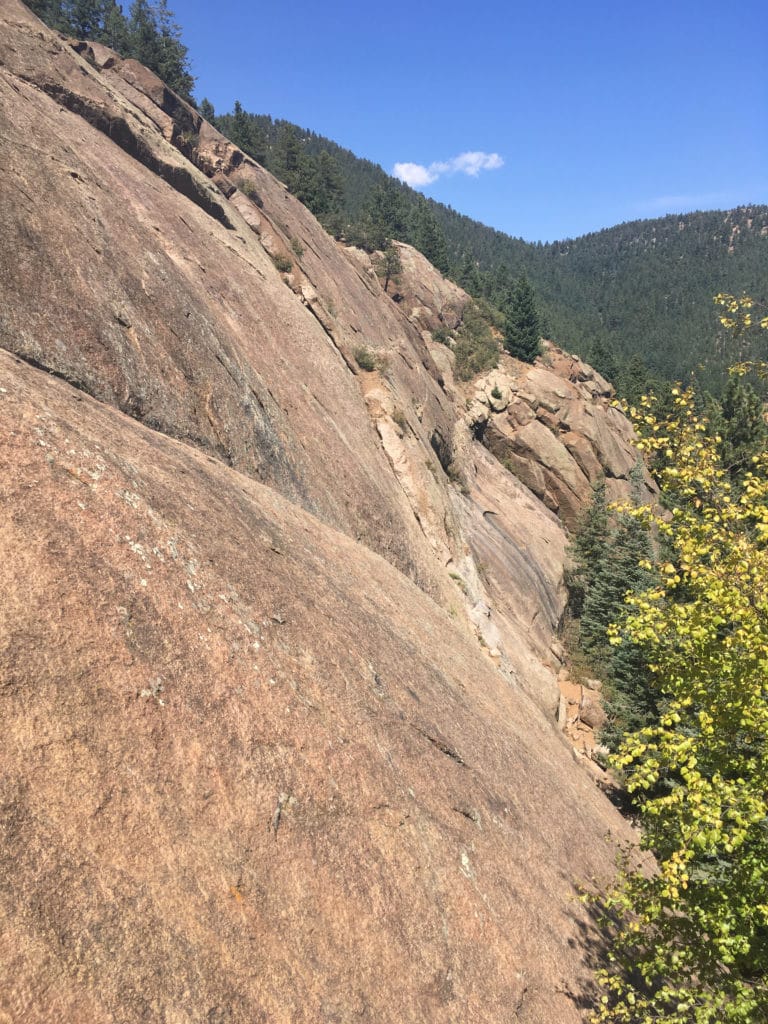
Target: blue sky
point(575, 116)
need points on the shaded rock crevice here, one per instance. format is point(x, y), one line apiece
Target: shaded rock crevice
point(119, 131)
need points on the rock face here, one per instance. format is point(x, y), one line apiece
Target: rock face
point(554, 427)
point(277, 673)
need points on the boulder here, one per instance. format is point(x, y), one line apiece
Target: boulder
point(591, 710)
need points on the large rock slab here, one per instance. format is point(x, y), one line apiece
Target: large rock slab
point(168, 305)
point(251, 772)
point(277, 629)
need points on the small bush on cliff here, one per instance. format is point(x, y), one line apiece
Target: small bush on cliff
point(283, 263)
point(476, 349)
point(365, 359)
point(442, 336)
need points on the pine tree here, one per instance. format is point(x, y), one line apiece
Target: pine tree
point(389, 265)
point(588, 548)
point(468, 276)
point(742, 427)
point(522, 333)
point(84, 17)
point(602, 356)
point(155, 40)
point(633, 380)
point(329, 190)
point(114, 29)
point(384, 217)
point(142, 34)
point(173, 57)
point(428, 237)
point(240, 128)
point(49, 11)
point(609, 553)
point(207, 111)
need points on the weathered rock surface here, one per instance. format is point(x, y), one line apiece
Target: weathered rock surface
point(249, 771)
point(256, 764)
point(176, 315)
point(554, 427)
point(431, 300)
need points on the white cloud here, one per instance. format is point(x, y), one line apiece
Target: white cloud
point(465, 163)
point(414, 174)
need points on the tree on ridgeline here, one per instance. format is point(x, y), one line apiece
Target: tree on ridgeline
point(114, 30)
point(522, 330)
point(384, 217)
point(207, 110)
point(84, 18)
point(149, 34)
point(428, 237)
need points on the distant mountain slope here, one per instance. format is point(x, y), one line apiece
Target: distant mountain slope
point(647, 286)
point(641, 288)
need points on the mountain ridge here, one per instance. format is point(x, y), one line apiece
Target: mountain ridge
point(599, 289)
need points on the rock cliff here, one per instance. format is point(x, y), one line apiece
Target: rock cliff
point(277, 661)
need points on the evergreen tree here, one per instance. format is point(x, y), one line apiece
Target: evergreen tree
point(522, 333)
point(50, 11)
point(428, 237)
point(172, 55)
point(239, 131)
point(499, 283)
point(207, 111)
point(609, 553)
point(329, 190)
point(630, 696)
point(468, 276)
point(384, 217)
point(742, 427)
point(289, 158)
point(588, 549)
point(142, 34)
point(114, 29)
point(633, 380)
point(389, 266)
point(155, 40)
point(84, 17)
point(602, 356)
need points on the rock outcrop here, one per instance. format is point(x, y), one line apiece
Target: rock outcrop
point(554, 426)
point(256, 764)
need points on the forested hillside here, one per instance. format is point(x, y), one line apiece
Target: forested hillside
point(641, 289)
